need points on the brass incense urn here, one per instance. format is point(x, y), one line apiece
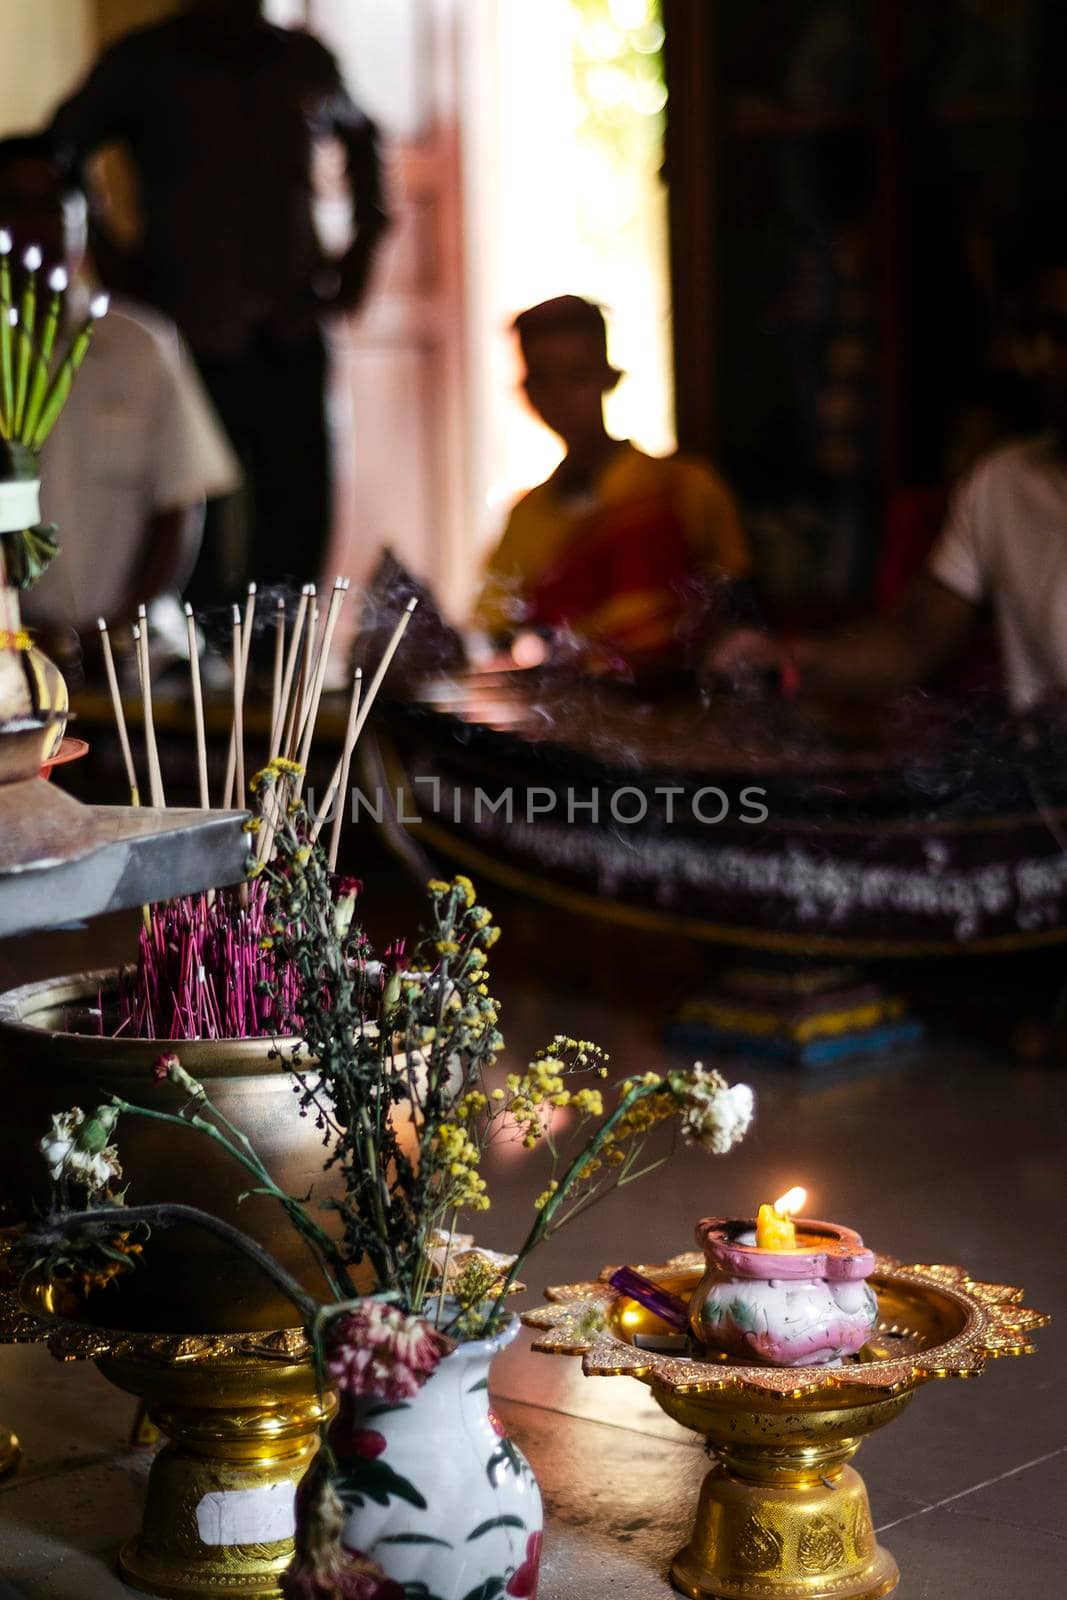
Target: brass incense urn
point(197, 1333)
point(782, 1514)
point(240, 1415)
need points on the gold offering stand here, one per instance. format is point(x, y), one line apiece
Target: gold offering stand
point(781, 1514)
point(240, 1413)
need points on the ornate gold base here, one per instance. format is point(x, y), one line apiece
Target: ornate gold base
point(241, 1418)
point(799, 1543)
point(782, 1515)
point(10, 1451)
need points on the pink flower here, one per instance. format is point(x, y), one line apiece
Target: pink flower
point(380, 1351)
point(523, 1581)
point(163, 1066)
point(344, 886)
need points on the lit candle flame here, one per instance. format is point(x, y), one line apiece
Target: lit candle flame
point(788, 1204)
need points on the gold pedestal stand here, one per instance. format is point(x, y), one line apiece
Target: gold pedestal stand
point(781, 1514)
point(240, 1414)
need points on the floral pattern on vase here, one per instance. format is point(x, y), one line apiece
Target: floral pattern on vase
point(435, 1492)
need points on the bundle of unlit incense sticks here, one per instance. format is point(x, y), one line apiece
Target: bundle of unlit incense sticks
point(203, 959)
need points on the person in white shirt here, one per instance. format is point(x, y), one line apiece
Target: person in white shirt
point(1004, 542)
point(137, 448)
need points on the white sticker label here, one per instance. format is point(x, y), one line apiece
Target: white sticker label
point(247, 1516)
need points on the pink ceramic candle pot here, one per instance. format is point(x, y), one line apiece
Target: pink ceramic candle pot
point(805, 1307)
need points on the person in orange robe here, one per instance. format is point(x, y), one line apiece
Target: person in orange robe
point(630, 554)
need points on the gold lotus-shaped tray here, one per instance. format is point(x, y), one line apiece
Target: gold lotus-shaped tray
point(933, 1322)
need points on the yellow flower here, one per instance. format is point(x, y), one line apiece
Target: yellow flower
point(447, 947)
point(251, 826)
point(266, 944)
point(542, 1199)
point(436, 886)
point(480, 917)
point(302, 855)
point(292, 768)
point(465, 887)
point(497, 1094)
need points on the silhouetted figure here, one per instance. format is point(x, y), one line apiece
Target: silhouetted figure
point(1004, 544)
point(626, 552)
point(220, 112)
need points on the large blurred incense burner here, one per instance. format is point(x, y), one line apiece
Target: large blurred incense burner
point(917, 829)
point(782, 1514)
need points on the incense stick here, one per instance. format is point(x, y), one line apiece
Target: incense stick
point(120, 715)
point(346, 763)
point(155, 773)
point(364, 708)
point(237, 737)
point(341, 587)
point(319, 821)
point(337, 598)
point(298, 656)
point(383, 665)
point(290, 667)
point(246, 645)
point(279, 664)
point(198, 705)
point(311, 656)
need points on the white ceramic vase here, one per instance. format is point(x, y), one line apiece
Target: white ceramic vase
point(437, 1494)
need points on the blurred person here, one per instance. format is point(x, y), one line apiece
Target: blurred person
point(1004, 542)
point(220, 112)
point(136, 449)
point(625, 551)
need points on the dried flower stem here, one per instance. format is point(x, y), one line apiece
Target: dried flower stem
point(543, 1223)
point(108, 1218)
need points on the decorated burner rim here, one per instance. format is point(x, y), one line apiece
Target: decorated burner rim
point(987, 1321)
point(833, 1252)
